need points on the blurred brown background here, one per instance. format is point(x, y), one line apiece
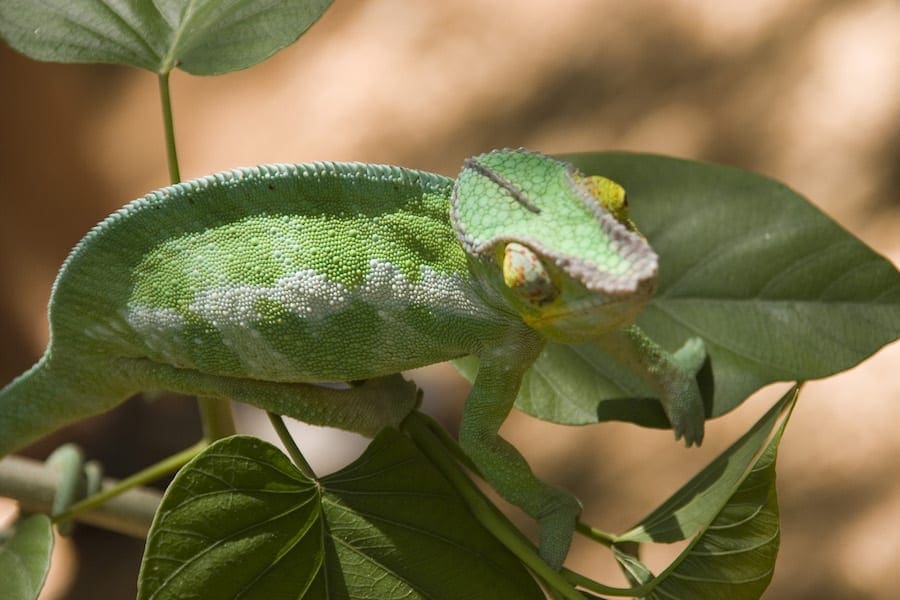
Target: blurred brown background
point(807, 91)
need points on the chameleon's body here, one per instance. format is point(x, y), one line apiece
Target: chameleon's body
point(324, 273)
point(253, 284)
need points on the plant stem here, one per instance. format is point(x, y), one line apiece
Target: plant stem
point(601, 537)
point(151, 473)
point(285, 436)
point(215, 414)
point(33, 484)
point(169, 127)
point(418, 428)
point(589, 584)
point(218, 421)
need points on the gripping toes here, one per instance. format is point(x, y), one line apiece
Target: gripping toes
point(684, 407)
point(393, 396)
point(684, 404)
point(557, 526)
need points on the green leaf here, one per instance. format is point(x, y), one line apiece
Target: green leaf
point(241, 518)
point(734, 554)
point(582, 384)
point(635, 571)
point(776, 289)
point(691, 508)
point(203, 37)
point(25, 558)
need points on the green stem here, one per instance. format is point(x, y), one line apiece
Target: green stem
point(418, 427)
point(218, 421)
point(215, 414)
point(285, 436)
point(589, 584)
point(160, 469)
point(449, 443)
point(169, 127)
point(34, 484)
point(601, 537)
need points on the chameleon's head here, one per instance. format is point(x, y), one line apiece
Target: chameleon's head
point(557, 245)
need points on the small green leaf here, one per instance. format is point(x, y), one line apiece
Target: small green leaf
point(735, 555)
point(635, 571)
point(776, 289)
point(25, 558)
point(241, 518)
point(691, 508)
point(203, 37)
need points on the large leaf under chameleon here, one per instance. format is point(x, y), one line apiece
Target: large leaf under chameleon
point(776, 289)
point(240, 520)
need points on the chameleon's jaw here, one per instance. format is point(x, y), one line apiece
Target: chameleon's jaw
point(583, 322)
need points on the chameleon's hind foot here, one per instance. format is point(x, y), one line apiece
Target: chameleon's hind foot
point(392, 397)
point(557, 527)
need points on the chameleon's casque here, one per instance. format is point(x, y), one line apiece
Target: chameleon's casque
point(595, 272)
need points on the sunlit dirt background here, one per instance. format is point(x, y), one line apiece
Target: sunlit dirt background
point(806, 91)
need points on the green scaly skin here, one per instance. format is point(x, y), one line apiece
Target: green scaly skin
point(254, 285)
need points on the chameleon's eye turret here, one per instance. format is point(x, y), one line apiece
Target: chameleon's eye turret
point(525, 274)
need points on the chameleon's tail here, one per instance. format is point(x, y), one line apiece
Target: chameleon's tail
point(43, 399)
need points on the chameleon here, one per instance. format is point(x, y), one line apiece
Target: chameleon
point(259, 284)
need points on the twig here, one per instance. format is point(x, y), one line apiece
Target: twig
point(33, 484)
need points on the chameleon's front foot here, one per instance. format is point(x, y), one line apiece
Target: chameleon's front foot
point(682, 402)
point(557, 527)
point(671, 376)
point(501, 465)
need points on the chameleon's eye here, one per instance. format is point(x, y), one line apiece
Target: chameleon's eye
point(524, 273)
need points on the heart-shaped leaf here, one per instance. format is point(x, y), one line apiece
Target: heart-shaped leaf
point(25, 558)
point(776, 289)
point(203, 37)
point(241, 519)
